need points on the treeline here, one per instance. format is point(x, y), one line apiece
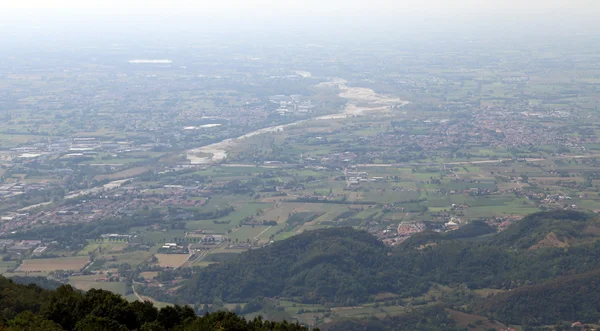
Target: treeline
point(211, 215)
point(43, 282)
point(33, 308)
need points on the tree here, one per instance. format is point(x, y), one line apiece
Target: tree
point(95, 323)
point(29, 321)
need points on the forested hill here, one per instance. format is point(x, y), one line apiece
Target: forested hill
point(544, 229)
point(31, 308)
point(565, 298)
point(551, 228)
point(343, 266)
point(338, 264)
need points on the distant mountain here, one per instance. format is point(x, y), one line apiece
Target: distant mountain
point(343, 266)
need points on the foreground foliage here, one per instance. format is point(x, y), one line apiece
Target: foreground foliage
point(29, 307)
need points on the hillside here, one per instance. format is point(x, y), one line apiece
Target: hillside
point(31, 308)
point(474, 229)
point(337, 264)
point(345, 267)
point(566, 298)
point(548, 229)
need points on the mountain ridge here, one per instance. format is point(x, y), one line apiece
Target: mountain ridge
point(345, 267)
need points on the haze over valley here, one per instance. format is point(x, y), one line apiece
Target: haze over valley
point(337, 165)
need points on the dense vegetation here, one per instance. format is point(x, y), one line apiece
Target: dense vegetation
point(43, 282)
point(535, 227)
point(342, 266)
point(566, 298)
point(339, 265)
point(33, 308)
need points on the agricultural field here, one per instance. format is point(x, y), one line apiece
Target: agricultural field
point(102, 247)
point(171, 260)
point(86, 283)
point(75, 263)
point(123, 174)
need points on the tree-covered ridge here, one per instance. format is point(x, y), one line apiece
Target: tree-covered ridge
point(342, 266)
point(29, 307)
point(474, 229)
point(565, 224)
point(337, 264)
point(563, 299)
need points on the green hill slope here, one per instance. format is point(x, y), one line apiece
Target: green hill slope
point(339, 264)
point(567, 227)
point(564, 299)
point(344, 267)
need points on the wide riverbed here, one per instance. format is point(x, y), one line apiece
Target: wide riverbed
point(355, 95)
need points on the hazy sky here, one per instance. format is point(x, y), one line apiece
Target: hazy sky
point(239, 16)
point(266, 8)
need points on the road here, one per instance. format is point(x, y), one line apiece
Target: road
point(265, 230)
point(140, 297)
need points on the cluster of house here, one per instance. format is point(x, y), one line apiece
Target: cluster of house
point(117, 236)
point(292, 103)
point(102, 205)
point(76, 147)
point(357, 177)
point(501, 223)
point(522, 128)
point(173, 248)
point(206, 239)
point(109, 277)
point(395, 235)
point(22, 246)
point(492, 127)
point(18, 188)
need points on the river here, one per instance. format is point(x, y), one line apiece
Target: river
point(216, 152)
